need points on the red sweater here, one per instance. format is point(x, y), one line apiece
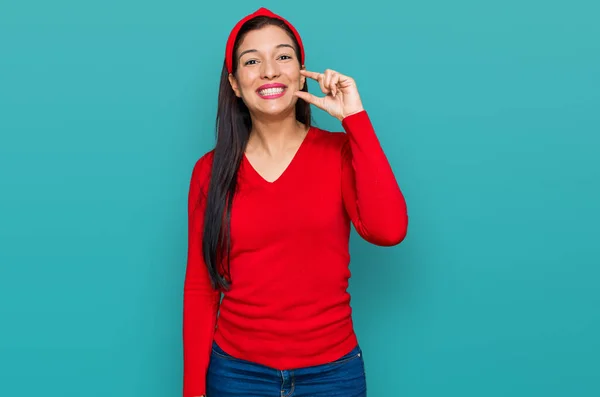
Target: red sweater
point(288, 306)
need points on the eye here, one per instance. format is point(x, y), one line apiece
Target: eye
point(285, 57)
point(249, 62)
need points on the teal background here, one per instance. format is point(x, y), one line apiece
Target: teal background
point(490, 116)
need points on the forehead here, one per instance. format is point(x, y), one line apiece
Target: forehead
point(265, 39)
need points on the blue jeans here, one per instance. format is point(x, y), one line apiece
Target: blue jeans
point(232, 377)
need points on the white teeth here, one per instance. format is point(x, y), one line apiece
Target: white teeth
point(270, 91)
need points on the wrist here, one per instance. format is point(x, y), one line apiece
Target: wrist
point(352, 113)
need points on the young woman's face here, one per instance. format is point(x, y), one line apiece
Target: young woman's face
point(268, 71)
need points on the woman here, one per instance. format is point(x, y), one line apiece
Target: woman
point(270, 209)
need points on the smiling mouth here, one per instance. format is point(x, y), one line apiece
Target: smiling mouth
point(271, 92)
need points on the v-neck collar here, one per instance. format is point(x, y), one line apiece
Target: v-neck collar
point(290, 167)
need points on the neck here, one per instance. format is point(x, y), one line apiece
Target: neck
point(275, 135)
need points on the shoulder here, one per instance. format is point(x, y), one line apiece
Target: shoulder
point(353, 124)
point(329, 140)
point(204, 163)
point(201, 171)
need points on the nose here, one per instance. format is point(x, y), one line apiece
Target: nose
point(270, 69)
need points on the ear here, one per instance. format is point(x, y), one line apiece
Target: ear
point(234, 85)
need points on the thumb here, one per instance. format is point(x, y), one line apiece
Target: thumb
point(310, 98)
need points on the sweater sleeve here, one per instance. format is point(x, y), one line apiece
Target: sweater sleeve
point(372, 197)
point(200, 300)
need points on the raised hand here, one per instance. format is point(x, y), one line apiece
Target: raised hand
point(341, 95)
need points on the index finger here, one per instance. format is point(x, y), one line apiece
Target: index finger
point(312, 75)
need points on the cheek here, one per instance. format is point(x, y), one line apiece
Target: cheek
point(300, 79)
point(245, 87)
point(246, 81)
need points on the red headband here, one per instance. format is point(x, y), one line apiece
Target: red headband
point(260, 12)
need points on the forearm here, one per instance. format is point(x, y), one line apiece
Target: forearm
point(199, 317)
point(372, 195)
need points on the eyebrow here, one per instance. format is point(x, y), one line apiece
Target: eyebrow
point(252, 50)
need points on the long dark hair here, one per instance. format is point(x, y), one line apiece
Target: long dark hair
point(233, 125)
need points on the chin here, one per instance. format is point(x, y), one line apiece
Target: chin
point(276, 108)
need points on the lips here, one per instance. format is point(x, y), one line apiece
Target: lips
point(271, 91)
